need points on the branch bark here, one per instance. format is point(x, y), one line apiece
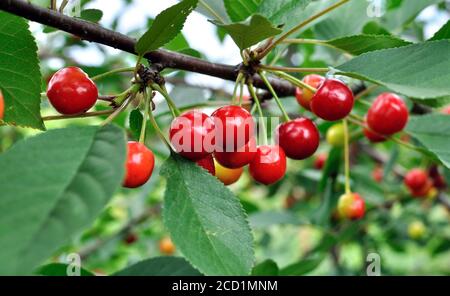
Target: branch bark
point(95, 33)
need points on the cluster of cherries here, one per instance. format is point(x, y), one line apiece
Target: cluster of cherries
point(422, 183)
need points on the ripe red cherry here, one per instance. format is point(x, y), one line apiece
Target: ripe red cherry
point(192, 135)
point(299, 138)
point(234, 127)
point(241, 157)
point(446, 110)
point(377, 174)
point(333, 100)
point(320, 160)
point(71, 91)
point(423, 191)
point(2, 105)
point(351, 206)
point(388, 114)
point(373, 137)
point(304, 96)
point(416, 179)
point(139, 165)
point(269, 164)
point(208, 164)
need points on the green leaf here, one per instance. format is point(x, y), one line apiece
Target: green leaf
point(418, 70)
point(136, 119)
point(91, 15)
point(266, 268)
point(433, 131)
point(53, 186)
point(269, 218)
point(405, 13)
point(160, 266)
point(331, 168)
point(20, 76)
point(359, 44)
point(213, 234)
point(239, 10)
point(220, 13)
point(443, 33)
point(304, 266)
point(165, 27)
point(59, 269)
point(251, 31)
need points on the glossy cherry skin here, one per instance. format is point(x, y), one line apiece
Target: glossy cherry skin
point(416, 179)
point(351, 206)
point(228, 176)
point(320, 160)
point(192, 135)
point(388, 114)
point(208, 164)
point(2, 105)
point(333, 100)
point(299, 138)
point(71, 91)
point(234, 128)
point(139, 165)
point(269, 164)
point(304, 96)
point(241, 157)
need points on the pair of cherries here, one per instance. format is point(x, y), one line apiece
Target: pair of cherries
point(388, 115)
point(419, 183)
point(228, 134)
point(333, 100)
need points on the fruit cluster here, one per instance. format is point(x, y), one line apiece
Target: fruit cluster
point(420, 184)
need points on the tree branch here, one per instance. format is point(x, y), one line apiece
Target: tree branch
point(95, 33)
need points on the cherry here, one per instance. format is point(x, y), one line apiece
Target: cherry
point(377, 174)
point(166, 246)
point(234, 127)
point(336, 135)
point(320, 160)
point(131, 239)
point(438, 180)
point(2, 105)
point(416, 230)
point(299, 138)
point(208, 164)
point(426, 191)
point(351, 206)
point(333, 100)
point(269, 164)
point(71, 91)
point(139, 165)
point(228, 176)
point(304, 96)
point(416, 179)
point(373, 137)
point(387, 115)
point(239, 158)
point(192, 135)
point(446, 110)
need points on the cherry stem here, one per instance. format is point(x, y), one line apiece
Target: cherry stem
point(347, 157)
point(251, 89)
point(162, 90)
point(119, 70)
point(238, 81)
point(365, 92)
point(83, 115)
point(53, 5)
point(274, 94)
point(294, 70)
point(295, 81)
point(155, 125)
point(63, 5)
point(147, 99)
point(241, 92)
point(119, 110)
point(300, 26)
point(120, 98)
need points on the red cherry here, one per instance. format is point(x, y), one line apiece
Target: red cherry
point(416, 179)
point(131, 238)
point(320, 160)
point(71, 91)
point(446, 110)
point(424, 190)
point(241, 157)
point(351, 206)
point(234, 127)
point(269, 164)
point(208, 164)
point(333, 100)
point(2, 105)
point(192, 135)
point(377, 174)
point(304, 96)
point(139, 165)
point(388, 114)
point(299, 138)
point(438, 180)
point(373, 137)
